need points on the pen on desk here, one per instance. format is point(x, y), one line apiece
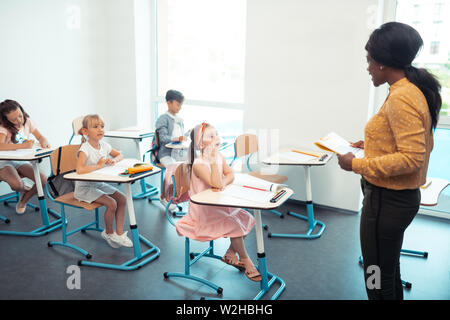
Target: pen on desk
point(322, 158)
point(255, 188)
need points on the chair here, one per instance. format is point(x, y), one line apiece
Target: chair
point(246, 145)
point(180, 180)
point(77, 124)
point(63, 160)
point(154, 160)
point(177, 174)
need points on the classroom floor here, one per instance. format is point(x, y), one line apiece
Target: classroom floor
point(325, 268)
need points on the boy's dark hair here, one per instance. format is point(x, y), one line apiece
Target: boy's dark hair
point(174, 95)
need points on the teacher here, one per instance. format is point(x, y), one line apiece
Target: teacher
point(397, 145)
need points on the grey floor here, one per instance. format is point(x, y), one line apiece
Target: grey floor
point(326, 268)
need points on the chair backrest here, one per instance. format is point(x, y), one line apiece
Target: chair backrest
point(77, 124)
point(245, 144)
point(155, 149)
point(181, 179)
point(64, 159)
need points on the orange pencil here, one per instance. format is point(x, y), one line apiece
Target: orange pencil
point(307, 153)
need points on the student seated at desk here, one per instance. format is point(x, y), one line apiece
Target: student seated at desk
point(93, 155)
point(170, 128)
point(15, 129)
point(206, 223)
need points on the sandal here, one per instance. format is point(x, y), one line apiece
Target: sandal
point(252, 273)
point(231, 259)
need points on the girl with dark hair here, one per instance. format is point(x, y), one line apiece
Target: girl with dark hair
point(15, 128)
point(209, 170)
point(397, 145)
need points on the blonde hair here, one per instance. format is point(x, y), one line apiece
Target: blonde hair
point(87, 123)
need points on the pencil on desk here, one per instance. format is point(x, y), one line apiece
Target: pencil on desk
point(307, 153)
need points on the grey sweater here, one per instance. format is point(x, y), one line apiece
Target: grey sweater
point(164, 127)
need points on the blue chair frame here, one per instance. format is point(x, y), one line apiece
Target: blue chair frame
point(190, 258)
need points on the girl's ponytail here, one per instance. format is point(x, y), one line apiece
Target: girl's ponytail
point(430, 88)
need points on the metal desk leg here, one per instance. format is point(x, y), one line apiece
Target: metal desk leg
point(266, 283)
point(147, 190)
point(47, 226)
point(152, 253)
point(312, 223)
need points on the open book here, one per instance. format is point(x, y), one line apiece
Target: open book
point(251, 188)
point(118, 168)
point(335, 143)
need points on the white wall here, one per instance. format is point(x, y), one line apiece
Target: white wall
point(306, 75)
point(62, 59)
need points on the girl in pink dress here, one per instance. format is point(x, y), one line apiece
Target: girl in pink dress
point(206, 223)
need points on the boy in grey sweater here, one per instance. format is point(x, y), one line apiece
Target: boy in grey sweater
point(170, 128)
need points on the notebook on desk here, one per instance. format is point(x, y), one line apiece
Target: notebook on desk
point(248, 187)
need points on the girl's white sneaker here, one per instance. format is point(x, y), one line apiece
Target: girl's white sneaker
point(110, 239)
point(123, 240)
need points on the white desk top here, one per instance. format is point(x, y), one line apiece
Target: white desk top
point(287, 157)
point(96, 177)
point(25, 154)
point(182, 145)
point(209, 197)
point(430, 194)
point(129, 133)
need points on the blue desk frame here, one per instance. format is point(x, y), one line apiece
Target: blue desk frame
point(47, 226)
point(140, 258)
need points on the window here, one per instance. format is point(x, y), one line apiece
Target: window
point(201, 52)
point(434, 47)
point(434, 28)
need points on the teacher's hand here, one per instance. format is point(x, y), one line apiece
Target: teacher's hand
point(345, 161)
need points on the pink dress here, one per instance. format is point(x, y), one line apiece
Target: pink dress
point(205, 223)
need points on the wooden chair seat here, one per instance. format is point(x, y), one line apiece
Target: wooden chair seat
point(69, 199)
point(275, 178)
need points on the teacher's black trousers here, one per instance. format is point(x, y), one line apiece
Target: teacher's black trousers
point(385, 216)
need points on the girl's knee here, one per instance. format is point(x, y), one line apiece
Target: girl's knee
point(16, 184)
point(120, 198)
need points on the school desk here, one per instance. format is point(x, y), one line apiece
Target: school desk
point(287, 157)
point(136, 237)
point(137, 135)
point(34, 157)
point(211, 198)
